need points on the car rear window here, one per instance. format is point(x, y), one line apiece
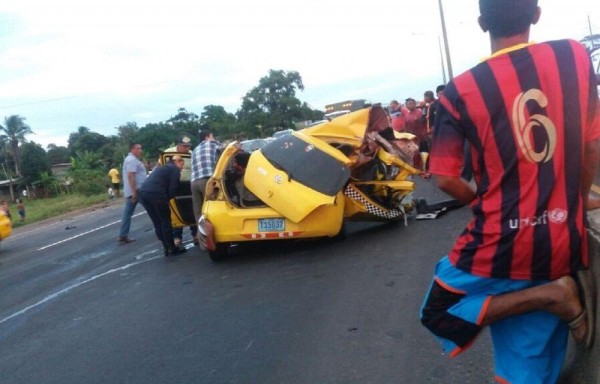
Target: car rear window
point(307, 164)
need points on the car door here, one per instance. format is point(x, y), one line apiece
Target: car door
point(182, 209)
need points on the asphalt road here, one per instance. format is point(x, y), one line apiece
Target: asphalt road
point(75, 307)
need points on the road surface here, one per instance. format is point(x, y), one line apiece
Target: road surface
point(76, 307)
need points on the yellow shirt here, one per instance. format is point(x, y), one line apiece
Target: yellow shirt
point(114, 176)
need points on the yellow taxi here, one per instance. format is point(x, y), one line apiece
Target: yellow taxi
point(305, 184)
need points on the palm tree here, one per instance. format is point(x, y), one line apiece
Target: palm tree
point(15, 130)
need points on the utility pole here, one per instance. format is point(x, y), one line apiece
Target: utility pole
point(442, 60)
point(592, 40)
point(448, 61)
point(12, 194)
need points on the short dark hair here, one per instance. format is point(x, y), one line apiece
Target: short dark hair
point(132, 145)
point(440, 88)
point(429, 94)
point(203, 134)
point(505, 18)
point(410, 99)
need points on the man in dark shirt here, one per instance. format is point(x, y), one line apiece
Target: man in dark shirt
point(529, 115)
point(155, 194)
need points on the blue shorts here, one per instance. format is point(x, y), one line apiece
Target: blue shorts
point(528, 348)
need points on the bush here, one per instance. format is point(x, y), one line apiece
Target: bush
point(88, 182)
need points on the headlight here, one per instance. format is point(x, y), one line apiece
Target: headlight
point(201, 223)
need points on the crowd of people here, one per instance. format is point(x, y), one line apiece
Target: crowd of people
point(417, 119)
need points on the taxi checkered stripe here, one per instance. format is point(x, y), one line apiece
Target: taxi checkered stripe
point(373, 209)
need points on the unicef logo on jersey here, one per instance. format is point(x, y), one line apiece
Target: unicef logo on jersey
point(523, 127)
point(557, 216)
point(553, 216)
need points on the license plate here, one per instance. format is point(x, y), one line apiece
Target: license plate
point(271, 225)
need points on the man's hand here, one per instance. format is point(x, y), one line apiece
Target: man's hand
point(456, 187)
point(134, 197)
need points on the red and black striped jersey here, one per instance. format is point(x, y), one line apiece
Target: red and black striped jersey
point(526, 113)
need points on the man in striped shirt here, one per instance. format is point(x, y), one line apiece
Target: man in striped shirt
point(529, 115)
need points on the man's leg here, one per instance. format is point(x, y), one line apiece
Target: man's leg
point(458, 304)
point(164, 213)
point(198, 197)
point(151, 209)
point(559, 297)
point(529, 348)
point(178, 235)
point(126, 219)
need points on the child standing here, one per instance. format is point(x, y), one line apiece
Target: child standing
point(21, 209)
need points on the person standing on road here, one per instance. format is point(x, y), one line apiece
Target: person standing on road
point(183, 146)
point(115, 180)
point(529, 114)
point(136, 174)
point(416, 126)
point(155, 193)
point(204, 160)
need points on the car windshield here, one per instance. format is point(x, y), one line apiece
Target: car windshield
point(307, 164)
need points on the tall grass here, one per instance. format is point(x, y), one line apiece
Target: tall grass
point(40, 209)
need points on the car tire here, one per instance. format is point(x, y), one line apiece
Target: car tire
point(220, 252)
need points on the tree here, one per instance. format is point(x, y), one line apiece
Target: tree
point(86, 140)
point(16, 131)
point(34, 163)
point(218, 120)
point(57, 154)
point(272, 105)
point(156, 138)
point(184, 123)
point(87, 160)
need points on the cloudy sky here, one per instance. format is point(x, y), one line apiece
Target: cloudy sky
point(100, 64)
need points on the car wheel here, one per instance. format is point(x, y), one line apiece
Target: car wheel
point(220, 252)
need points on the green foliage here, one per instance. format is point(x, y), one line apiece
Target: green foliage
point(34, 162)
point(48, 183)
point(156, 138)
point(222, 123)
point(88, 182)
point(86, 140)
point(40, 209)
point(58, 155)
point(15, 132)
point(87, 160)
point(272, 105)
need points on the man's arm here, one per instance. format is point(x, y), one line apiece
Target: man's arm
point(131, 181)
point(175, 175)
point(457, 187)
point(590, 168)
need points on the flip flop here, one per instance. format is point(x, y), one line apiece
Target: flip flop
point(587, 293)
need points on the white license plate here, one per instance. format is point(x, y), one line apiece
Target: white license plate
point(271, 225)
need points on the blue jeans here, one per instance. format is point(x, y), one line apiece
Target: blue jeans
point(126, 220)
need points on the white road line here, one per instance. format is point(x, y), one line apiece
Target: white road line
point(86, 233)
point(62, 292)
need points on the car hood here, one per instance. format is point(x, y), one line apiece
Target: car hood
point(296, 174)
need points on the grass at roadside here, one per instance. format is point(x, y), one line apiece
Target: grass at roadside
point(40, 209)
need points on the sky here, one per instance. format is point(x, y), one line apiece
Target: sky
point(101, 64)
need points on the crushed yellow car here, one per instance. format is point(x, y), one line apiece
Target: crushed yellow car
point(305, 184)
